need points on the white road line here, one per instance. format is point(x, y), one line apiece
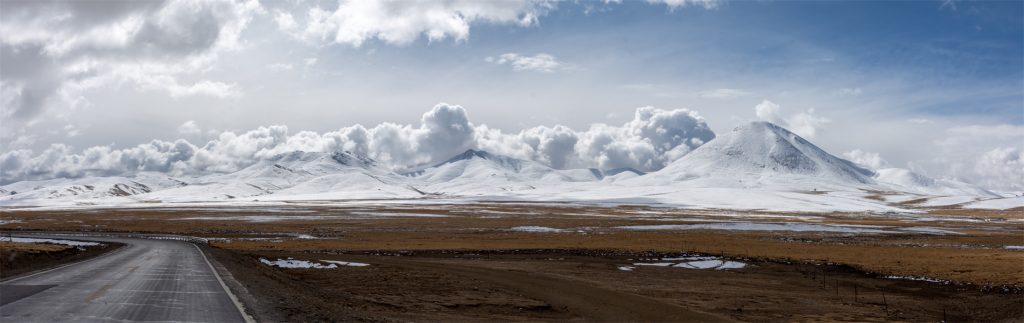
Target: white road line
point(234, 299)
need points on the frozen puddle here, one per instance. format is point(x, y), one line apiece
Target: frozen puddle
point(693, 262)
point(294, 263)
point(345, 263)
point(53, 241)
point(930, 230)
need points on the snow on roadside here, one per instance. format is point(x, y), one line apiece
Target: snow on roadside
point(52, 241)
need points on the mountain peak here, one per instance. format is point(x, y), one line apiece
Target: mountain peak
point(761, 150)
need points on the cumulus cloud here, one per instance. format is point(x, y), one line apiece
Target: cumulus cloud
point(769, 111)
point(870, 159)
point(987, 155)
point(651, 140)
point(538, 63)
point(805, 123)
point(189, 128)
point(1001, 168)
point(52, 51)
point(402, 22)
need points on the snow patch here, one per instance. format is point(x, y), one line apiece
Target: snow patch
point(695, 262)
point(346, 263)
point(52, 241)
point(748, 226)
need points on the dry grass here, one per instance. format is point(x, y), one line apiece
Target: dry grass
point(975, 256)
point(6, 246)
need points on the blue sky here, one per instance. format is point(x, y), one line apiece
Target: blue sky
point(934, 86)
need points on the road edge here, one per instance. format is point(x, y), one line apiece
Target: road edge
point(234, 299)
point(46, 270)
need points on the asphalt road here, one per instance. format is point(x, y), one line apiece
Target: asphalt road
point(147, 280)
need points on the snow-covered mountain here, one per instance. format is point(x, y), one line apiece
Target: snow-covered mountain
point(86, 188)
point(761, 154)
point(905, 180)
point(341, 174)
point(479, 172)
point(755, 166)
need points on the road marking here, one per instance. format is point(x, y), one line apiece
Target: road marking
point(231, 295)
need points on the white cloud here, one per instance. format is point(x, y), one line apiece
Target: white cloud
point(652, 139)
point(538, 63)
point(920, 121)
point(1001, 168)
point(986, 155)
point(870, 159)
point(674, 4)
point(285, 21)
point(189, 128)
point(847, 91)
point(280, 67)
point(54, 51)
point(723, 94)
point(769, 111)
point(402, 22)
point(806, 123)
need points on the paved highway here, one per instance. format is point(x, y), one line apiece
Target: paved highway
point(147, 280)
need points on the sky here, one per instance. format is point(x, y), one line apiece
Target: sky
point(99, 88)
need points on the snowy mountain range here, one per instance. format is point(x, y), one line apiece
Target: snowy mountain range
point(755, 166)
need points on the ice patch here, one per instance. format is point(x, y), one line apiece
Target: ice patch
point(695, 262)
point(1014, 247)
point(6, 221)
point(929, 230)
point(626, 268)
point(292, 263)
point(305, 237)
point(919, 278)
point(748, 226)
point(656, 264)
point(53, 241)
point(531, 228)
point(346, 263)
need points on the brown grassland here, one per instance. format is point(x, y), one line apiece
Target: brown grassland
point(465, 261)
